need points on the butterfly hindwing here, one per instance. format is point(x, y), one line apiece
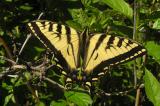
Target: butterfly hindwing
point(105, 50)
point(60, 38)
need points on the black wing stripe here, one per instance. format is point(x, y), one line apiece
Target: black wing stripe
point(110, 41)
point(126, 56)
point(40, 35)
point(59, 29)
point(68, 33)
point(50, 27)
point(101, 38)
point(120, 42)
point(98, 43)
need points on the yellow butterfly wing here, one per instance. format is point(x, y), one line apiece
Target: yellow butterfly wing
point(60, 38)
point(105, 50)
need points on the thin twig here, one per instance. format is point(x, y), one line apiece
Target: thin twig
point(117, 93)
point(7, 59)
point(12, 70)
point(54, 83)
point(138, 94)
point(40, 15)
point(134, 20)
point(4, 73)
point(16, 68)
point(121, 92)
point(137, 97)
point(27, 39)
point(134, 37)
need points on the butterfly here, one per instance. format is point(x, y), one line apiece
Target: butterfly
point(83, 56)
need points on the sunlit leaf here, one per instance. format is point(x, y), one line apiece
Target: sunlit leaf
point(86, 2)
point(58, 103)
point(39, 49)
point(7, 99)
point(41, 103)
point(25, 7)
point(152, 88)
point(8, 0)
point(156, 24)
point(120, 6)
point(153, 50)
point(78, 98)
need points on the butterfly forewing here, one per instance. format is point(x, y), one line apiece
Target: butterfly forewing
point(59, 38)
point(105, 50)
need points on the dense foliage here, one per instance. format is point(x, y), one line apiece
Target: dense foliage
point(26, 75)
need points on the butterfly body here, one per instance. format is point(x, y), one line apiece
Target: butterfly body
point(84, 57)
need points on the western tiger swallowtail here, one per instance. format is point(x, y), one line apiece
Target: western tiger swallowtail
point(96, 51)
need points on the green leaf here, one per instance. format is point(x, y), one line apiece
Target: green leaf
point(74, 24)
point(8, 0)
point(153, 50)
point(2, 61)
point(120, 6)
point(85, 18)
point(152, 88)
point(1, 32)
point(86, 2)
point(78, 98)
point(156, 24)
point(40, 104)
point(7, 87)
point(58, 103)
point(27, 75)
point(7, 99)
point(38, 49)
point(26, 7)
